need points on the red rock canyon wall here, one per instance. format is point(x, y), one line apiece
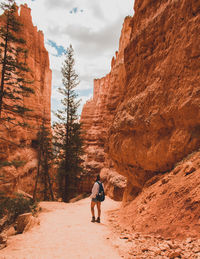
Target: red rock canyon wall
point(40, 104)
point(144, 116)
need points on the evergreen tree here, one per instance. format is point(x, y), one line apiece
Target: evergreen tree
point(14, 82)
point(67, 131)
point(45, 158)
point(14, 85)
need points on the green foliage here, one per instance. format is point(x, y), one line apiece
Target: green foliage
point(13, 207)
point(67, 132)
point(15, 163)
point(18, 163)
point(5, 163)
point(45, 158)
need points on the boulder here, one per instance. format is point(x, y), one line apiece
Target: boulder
point(3, 241)
point(25, 222)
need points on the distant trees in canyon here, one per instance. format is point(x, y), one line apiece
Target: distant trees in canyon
point(45, 161)
point(66, 147)
point(67, 131)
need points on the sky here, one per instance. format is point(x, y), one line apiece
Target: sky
point(93, 28)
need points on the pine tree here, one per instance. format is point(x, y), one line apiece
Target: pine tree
point(67, 131)
point(14, 82)
point(45, 158)
point(14, 85)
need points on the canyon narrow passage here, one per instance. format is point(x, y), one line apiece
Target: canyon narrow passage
point(65, 231)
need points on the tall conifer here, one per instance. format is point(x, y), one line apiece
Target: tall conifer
point(45, 158)
point(68, 130)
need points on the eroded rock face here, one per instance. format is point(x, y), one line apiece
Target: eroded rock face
point(157, 124)
point(25, 147)
point(25, 222)
point(167, 206)
point(114, 183)
point(98, 113)
point(146, 111)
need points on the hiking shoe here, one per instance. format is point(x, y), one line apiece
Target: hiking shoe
point(98, 220)
point(93, 219)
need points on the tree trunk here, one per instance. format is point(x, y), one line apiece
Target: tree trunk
point(50, 187)
point(37, 176)
point(3, 70)
point(65, 193)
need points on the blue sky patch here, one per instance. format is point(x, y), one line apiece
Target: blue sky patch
point(83, 92)
point(60, 49)
point(76, 10)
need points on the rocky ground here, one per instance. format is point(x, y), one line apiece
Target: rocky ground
point(163, 221)
point(138, 245)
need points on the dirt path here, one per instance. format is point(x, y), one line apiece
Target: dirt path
point(65, 232)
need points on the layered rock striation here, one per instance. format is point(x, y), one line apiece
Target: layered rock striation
point(21, 143)
point(145, 112)
point(96, 116)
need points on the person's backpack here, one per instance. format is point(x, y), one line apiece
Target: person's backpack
point(101, 195)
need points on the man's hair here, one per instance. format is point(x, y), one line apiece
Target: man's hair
point(98, 178)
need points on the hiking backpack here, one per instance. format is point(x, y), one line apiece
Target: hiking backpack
point(101, 195)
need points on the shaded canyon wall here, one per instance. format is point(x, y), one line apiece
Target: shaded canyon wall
point(25, 139)
point(146, 117)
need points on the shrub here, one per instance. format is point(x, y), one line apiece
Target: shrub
point(13, 207)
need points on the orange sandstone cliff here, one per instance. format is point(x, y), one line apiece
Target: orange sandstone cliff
point(157, 123)
point(144, 115)
point(23, 177)
point(96, 117)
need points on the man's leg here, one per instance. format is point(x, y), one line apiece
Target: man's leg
point(92, 210)
point(99, 211)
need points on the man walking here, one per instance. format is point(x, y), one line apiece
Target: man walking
point(95, 200)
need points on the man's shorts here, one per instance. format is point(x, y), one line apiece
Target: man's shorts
point(94, 199)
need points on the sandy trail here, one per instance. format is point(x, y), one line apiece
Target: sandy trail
point(65, 231)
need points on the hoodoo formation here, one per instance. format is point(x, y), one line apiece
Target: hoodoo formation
point(39, 102)
point(144, 115)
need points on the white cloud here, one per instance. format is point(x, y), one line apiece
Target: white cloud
point(93, 30)
point(51, 50)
